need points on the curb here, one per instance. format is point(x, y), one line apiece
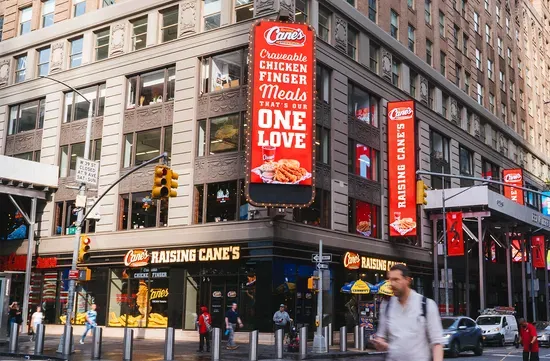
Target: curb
point(28, 356)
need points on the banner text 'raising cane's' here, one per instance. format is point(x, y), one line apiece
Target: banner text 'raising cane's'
point(402, 168)
point(281, 110)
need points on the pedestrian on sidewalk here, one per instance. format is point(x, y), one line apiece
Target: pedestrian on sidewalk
point(91, 317)
point(205, 327)
point(231, 320)
point(528, 338)
point(410, 323)
point(36, 319)
point(281, 318)
point(13, 316)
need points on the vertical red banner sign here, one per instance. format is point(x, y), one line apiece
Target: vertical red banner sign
point(513, 177)
point(537, 250)
point(402, 168)
point(455, 237)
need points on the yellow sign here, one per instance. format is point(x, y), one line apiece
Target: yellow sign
point(360, 288)
point(227, 253)
point(385, 289)
point(158, 293)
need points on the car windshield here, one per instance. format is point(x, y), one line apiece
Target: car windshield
point(448, 323)
point(484, 321)
point(541, 325)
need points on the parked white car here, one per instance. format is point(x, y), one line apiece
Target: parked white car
point(499, 329)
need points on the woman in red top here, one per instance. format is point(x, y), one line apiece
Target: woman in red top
point(205, 325)
point(528, 338)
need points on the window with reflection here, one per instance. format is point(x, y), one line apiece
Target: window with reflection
point(244, 10)
point(322, 83)
point(33, 156)
point(322, 145)
point(362, 105)
point(142, 146)
point(224, 71)
point(363, 160)
point(76, 107)
point(318, 213)
point(302, 11)
point(139, 33)
point(491, 171)
point(220, 134)
point(212, 10)
point(220, 202)
point(20, 68)
point(363, 218)
point(138, 210)
point(75, 57)
point(151, 88)
point(26, 116)
point(439, 159)
point(466, 165)
point(169, 21)
point(69, 153)
point(65, 215)
point(79, 7)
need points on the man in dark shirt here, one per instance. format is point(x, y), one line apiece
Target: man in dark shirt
point(231, 320)
point(528, 338)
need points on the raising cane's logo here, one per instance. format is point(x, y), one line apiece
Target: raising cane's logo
point(352, 260)
point(285, 37)
point(513, 177)
point(400, 113)
point(136, 258)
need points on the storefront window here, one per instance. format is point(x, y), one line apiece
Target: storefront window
point(363, 218)
point(138, 210)
point(363, 161)
point(223, 71)
point(362, 105)
point(318, 213)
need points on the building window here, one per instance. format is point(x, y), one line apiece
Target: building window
point(318, 213)
point(139, 33)
point(26, 116)
point(413, 78)
point(212, 10)
point(523, 129)
point(466, 164)
point(479, 94)
point(410, 4)
point(507, 25)
point(467, 83)
point(362, 105)
point(322, 83)
point(143, 146)
point(458, 74)
point(514, 121)
point(487, 5)
point(492, 172)
point(431, 96)
point(372, 10)
point(488, 35)
point(502, 81)
point(225, 201)
point(456, 35)
point(20, 68)
point(521, 99)
point(352, 42)
point(428, 11)
point(499, 44)
point(25, 16)
point(102, 44)
point(492, 103)
point(444, 105)
point(476, 22)
point(520, 72)
point(363, 218)
point(497, 12)
point(465, 44)
point(512, 90)
point(76, 108)
point(220, 135)
point(464, 8)
point(363, 160)
point(224, 71)
point(138, 210)
point(302, 11)
point(1, 26)
point(75, 58)
point(79, 7)
point(394, 24)
point(442, 64)
point(509, 54)
point(439, 159)
point(322, 145)
point(429, 52)
point(531, 135)
point(411, 37)
point(32, 156)
point(479, 64)
point(243, 10)
point(65, 218)
point(48, 10)
point(106, 3)
point(324, 24)
point(155, 87)
point(490, 69)
point(374, 54)
point(43, 61)
point(504, 113)
point(395, 70)
point(169, 29)
point(441, 24)
point(69, 153)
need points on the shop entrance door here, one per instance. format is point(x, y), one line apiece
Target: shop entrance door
point(218, 293)
point(5, 280)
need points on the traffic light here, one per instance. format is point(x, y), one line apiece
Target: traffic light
point(421, 192)
point(312, 283)
point(172, 183)
point(84, 249)
point(160, 182)
point(84, 274)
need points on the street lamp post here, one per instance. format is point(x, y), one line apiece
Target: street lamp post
point(66, 348)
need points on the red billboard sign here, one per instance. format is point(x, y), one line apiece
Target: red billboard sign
point(15, 262)
point(513, 177)
point(281, 113)
point(455, 239)
point(537, 251)
point(402, 168)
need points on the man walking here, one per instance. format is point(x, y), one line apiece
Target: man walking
point(231, 320)
point(410, 326)
point(281, 318)
point(91, 316)
point(528, 338)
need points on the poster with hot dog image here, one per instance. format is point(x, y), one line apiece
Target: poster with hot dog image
point(281, 116)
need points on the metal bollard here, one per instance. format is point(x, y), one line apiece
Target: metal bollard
point(68, 341)
point(330, 341)
point(39, 339)
point(97, 337)
point(128, 345)
point(325, 336)
point(303, 342)
point(343, 339)
point(356, 337)
point(361, 338)
point(14, 337)
point(253, 353)
point(279, 336)
point(216, 344)
point(169, 344)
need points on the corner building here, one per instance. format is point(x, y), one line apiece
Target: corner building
point(172, 76)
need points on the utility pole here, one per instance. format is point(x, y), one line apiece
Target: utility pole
point(319, 340)
point(445, 265)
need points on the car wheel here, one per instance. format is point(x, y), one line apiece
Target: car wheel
point(502, 341)
point(478, 351)
point(454, 349)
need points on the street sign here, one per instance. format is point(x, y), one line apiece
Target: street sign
point(322, 266)
point(71, 231)
point(87, 171)
point(326, 258)
point(73, 274)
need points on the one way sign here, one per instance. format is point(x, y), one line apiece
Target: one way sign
point(325, 258)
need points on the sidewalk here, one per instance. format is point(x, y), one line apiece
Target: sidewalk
point(153, 350)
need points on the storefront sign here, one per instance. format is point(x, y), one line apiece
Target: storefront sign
point(537, 249)
point(402, 168)
point(281, 113)
point(143, 257)
point(15, 262)
point(136, 258)
point(513, 177)
point(156, 293)
point(353, 261)
point(455, 240)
